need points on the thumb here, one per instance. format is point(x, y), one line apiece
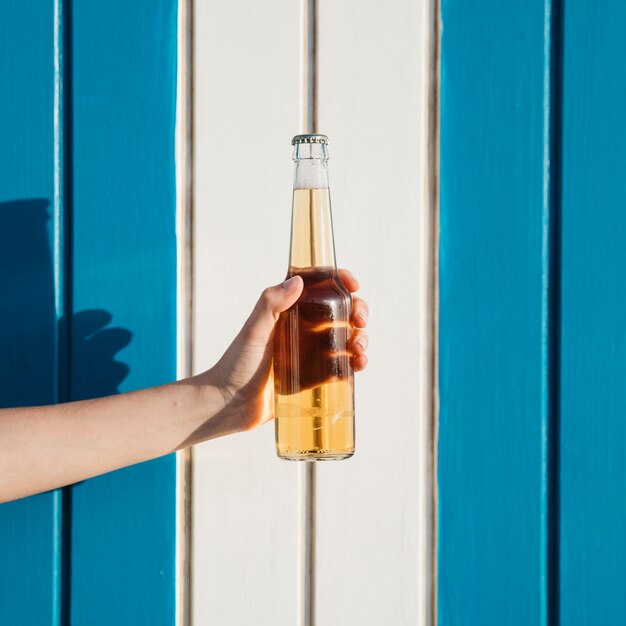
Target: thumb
point(279, 298)
point(273, 301)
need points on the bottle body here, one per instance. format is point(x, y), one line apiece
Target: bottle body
point(313, 377)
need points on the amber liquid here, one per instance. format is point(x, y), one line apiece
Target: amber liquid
point(313, 378)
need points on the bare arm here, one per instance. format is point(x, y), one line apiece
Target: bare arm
point(46, 447)
point(43, 448)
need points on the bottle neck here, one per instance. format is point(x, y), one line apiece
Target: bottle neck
point(311, 166)
point(312, 242)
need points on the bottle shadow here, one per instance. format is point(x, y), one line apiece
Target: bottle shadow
point(29, 346)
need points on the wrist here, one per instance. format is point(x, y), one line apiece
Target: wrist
point(214, 414)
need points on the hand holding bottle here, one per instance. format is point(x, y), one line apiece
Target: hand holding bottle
point(243, 373)
point(46, 447)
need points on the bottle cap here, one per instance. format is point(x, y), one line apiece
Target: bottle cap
point(315, 138)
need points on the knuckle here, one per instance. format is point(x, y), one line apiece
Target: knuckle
point(266, 295)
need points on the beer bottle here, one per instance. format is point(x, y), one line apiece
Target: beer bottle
point(313, 378)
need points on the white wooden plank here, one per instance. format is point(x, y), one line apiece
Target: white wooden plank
point(373, 511)
point(183, 300)
point(246, 103)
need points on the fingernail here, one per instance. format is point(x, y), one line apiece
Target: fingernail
point(363, 315)
point(361, 343)
point(290, 285)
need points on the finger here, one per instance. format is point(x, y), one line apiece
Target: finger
point(358, 342)
point(282, 296)
point(348, 280)
point(360, 312)
point(273, 301)
point(359, 363)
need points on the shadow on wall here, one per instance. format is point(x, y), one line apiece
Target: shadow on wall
point(28, 319)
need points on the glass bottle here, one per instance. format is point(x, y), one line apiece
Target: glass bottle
point(313, 378)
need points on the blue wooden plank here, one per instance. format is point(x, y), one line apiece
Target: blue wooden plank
point(123, 332)
point(495, 356)
point(31, 275)
point(593, 301)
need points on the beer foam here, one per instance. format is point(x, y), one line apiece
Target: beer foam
point(311, 174)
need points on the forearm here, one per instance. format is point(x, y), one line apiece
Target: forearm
point(42, 448)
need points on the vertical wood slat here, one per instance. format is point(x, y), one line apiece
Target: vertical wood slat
point(495, 362)
point(374, 510)
point(431, 380)
point(593, 298)
point(245, 500)
point(308, 471)
point(31, 281)
point(124, 296)
point(62, 269)
point(184, 298)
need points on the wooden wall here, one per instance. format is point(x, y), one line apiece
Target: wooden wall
point(87, 276)
point(372, 561)
point(531, 432)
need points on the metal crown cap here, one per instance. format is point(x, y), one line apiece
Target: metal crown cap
point(314, 138)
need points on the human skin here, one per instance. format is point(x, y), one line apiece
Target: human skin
point(47, 447)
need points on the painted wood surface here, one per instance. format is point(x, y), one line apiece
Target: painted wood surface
point(593, 298)
point(124, 296)
point(245, 500)
point(371, 560)
point(494, 422)
point(373, 515)
point(30, 529)
point(87, 195)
